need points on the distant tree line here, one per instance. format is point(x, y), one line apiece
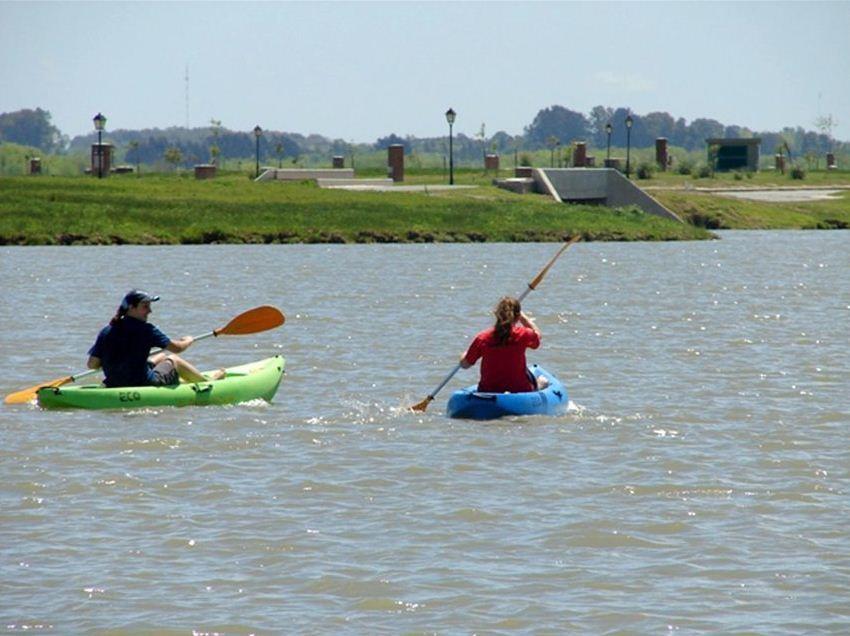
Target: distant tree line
point(551, 126)
point(31, 128)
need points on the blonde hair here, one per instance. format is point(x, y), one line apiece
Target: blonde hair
point(507, 312)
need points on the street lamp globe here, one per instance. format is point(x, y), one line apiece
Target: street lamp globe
point(450, 116)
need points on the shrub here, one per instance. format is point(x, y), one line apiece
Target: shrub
point(686, 167)
point(645, 171)
point(749, 174)
point(738, 176)
point(798, 173)
point(525, 159)
point(702, 172)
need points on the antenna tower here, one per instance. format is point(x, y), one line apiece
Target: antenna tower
point(187, 96)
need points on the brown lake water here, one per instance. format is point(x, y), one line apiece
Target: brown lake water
point(699, 483)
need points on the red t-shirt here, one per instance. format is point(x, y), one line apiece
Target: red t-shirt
point(503, 367)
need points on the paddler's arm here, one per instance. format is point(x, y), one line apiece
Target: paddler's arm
point(527, 321)
point(180, 345)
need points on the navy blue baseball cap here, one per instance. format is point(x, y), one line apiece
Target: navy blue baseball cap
point(136, 296)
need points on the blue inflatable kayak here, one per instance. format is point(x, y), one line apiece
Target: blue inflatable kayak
point(469, 403)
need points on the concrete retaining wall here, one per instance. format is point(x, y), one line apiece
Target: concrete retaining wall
point(597, 185)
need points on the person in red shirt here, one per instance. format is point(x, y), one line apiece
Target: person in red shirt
point(502, 351)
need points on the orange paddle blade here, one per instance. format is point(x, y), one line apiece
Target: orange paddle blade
point(28, 395)
point(421, 406)
point(254, 320)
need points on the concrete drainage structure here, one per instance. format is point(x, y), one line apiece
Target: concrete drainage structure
point(603, 186)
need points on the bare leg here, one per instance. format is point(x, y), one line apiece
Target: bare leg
point(191, 374)
point(542, 382)
point(156, 358)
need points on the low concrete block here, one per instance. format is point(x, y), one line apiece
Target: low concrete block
point(344, 183)
point(304, 174)
point(520, 185)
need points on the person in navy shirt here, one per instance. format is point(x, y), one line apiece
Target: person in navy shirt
point(122, 349)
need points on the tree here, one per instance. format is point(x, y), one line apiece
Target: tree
point(825, 124)
point(133, 155)
point(558, 121)
point(382, 143)
point(173, 156)
point(215, 149)
point(702, 129)
point(599, 117)
point(553, 142)
point(31, 128)
point(278, 152)
point(482, 137)
point(655, 125)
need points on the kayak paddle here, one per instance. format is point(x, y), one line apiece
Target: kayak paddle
point(254, 320)
point(421, 406)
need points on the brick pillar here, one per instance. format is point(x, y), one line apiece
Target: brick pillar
point(338, 162)
point(491, 162)
point(661, 153)
point(395, 162)
point(830, 160)
point(580, 155)
point(780, 163)
point(102, 152)
point(205, 171)
point(35, 165)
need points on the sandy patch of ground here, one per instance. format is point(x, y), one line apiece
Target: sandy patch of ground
point(781, 196)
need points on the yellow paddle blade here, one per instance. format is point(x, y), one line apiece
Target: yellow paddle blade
point(421, 406)
point(28, 395)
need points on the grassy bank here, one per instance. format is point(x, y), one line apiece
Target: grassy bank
point(715, 211)
point(178, 209)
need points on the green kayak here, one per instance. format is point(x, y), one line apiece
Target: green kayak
point(246, 382)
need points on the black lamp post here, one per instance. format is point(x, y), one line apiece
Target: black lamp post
point(629, 122)
point(450, 117)
point(99, 125)
point(258, 132)
point(608, 129)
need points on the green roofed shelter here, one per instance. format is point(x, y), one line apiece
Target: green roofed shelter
point(734, 153)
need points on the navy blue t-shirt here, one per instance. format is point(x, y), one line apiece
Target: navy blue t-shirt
point(124, 349)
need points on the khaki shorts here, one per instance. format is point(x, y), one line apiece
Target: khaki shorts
point(165, 374)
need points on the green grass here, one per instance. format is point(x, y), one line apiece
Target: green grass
point(232, 208)
point(763, 179)
point(719, 212)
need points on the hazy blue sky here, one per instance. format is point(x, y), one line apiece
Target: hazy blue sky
point(359, 70)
